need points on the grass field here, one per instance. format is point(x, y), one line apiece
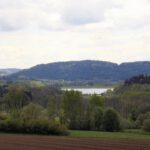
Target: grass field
point(128, 134)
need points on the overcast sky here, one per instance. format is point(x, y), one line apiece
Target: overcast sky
point(43, 31)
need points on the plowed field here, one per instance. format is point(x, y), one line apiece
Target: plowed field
point(21, 142)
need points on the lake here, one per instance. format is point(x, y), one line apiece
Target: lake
point(88, 90)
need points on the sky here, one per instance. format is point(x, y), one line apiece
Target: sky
point(43, 31)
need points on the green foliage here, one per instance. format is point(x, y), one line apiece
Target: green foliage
point(51, 108)
point(3, 116)
point(130, 101)
point(126, 124)
point(31, 112)
point(111, 121)
point(81, 115)
point(16, 98)
point(96, 101)
point(96, 106)
point(134, 115)
point(143, 116)
point(98, 118)
point(44, 95)
point(31, 120)
point(129, 124)
point(40, 126)
point(146, 125)
point(26, 109)
point(72, 107)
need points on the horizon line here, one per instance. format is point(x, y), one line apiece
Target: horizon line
point(63, 61)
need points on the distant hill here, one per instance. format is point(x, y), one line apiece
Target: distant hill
point(9, 71)
point(87, 70)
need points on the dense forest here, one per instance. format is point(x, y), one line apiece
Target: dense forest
point(27, 108)
point(141, 79)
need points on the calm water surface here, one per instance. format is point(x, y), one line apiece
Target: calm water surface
point(88, 90)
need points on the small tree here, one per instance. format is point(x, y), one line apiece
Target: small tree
point(72, 108)
point(111, 121)
point(16, 99)
point(51, 108)
point(31, 112)
point(96, 101)
point(146, 125)
point(96, 105)
point(98, 117)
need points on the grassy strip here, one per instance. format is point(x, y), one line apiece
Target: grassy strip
point(129, 134)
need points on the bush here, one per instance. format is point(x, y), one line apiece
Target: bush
point(30, 120)
point(128, 124)
point(40, 126)
point(146, 125)
point(111, 120)
point(31, 112)
point(3, 116)
point(143, 117)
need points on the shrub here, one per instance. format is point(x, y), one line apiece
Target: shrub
point(31, 112)
point(98, 117)
point(111, 120)
point(128, 124)
point(3, 116)
point(40, 126)
point(143, 117)
point(146, 125)
point(30, 120)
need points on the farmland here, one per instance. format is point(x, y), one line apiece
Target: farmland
point(26, 142)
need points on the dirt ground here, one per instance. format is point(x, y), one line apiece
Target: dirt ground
point(25, 142)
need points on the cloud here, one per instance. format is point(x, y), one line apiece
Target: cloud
point(66, 14)
point(132, 14)
point(50, 14)
point(42, 31)
point(29, 14)
point(86, 11)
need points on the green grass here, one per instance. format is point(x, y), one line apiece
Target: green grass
point(128, 134)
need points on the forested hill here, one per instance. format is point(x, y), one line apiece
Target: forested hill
point(85, 70)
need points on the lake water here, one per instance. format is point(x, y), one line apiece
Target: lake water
point(88, 90)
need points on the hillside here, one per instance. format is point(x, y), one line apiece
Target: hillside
point(5, 72)
point(85, 70)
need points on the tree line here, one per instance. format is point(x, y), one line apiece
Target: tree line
point(43, 109)
point(49, 110)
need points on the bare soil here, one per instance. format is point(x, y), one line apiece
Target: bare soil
point(26, 142)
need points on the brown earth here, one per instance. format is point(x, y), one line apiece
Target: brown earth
point(25, 142)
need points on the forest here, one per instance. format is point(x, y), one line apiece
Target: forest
point(32, 109)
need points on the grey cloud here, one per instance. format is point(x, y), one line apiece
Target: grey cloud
point(26, 14)
point(6, 25)
point(19, 14)
point(86, 11)
point(59, 15)
point(82, 18)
